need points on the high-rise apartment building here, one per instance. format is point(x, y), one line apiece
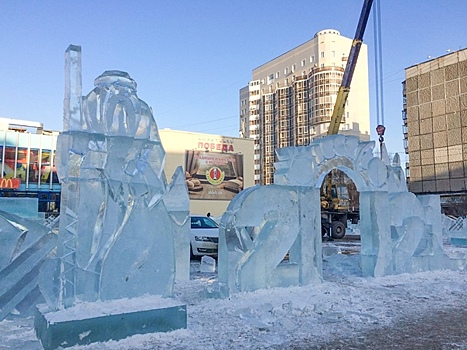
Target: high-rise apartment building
point(435, 127)
point(290, 99)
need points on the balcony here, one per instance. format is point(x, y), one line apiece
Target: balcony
point(404, 115)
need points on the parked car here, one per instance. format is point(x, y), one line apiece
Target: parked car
point(204, 236)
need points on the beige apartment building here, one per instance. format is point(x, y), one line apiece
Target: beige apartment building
point(435, 128)
point(290, 99)
point(216, 167)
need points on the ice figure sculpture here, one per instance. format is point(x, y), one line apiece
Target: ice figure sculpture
point(263, 225)
point(119, 216)
point(123, 230)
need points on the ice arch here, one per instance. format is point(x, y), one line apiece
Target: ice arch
point(400, 232)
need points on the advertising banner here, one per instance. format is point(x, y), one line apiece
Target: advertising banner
point(212, 175)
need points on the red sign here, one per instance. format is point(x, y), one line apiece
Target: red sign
point(10, 183)
point(216, 146)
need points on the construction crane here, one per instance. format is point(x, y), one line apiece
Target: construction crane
point(344, 89)
point(336, 204)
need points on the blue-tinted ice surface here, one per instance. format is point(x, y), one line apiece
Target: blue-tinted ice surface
point(120, 222)
point(457, 232)
point(23, 207)
point(25, 245)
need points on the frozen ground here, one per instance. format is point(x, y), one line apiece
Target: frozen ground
point(419, 311)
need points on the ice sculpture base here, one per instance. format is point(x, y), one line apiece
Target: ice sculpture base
point(88, 323)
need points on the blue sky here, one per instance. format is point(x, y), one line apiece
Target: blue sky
point(190, 58)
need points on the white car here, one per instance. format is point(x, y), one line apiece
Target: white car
point(204, 236)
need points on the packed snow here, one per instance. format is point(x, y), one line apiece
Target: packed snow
point(342, 306)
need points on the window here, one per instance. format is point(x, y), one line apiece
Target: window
point(277, 74)
point(293, 68)
point(10, 163)
point(286, 70)
point(34, 166)
point(22, 164)
point(322, 54)
point(333, 53)
point(312, 58)
point(303, 63)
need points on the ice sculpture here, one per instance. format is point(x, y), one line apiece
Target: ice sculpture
point(110, 163)
point(120, 223)
point(400, 232)
point(456, 231)
point(266, 239)
point(25, 245)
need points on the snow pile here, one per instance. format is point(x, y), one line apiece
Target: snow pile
point(280, 317)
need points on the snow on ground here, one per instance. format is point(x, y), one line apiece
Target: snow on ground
point(273, 318)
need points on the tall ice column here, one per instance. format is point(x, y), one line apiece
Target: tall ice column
point(68, 165)
point(73, 86)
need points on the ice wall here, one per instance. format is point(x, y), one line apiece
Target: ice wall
point(121, 223)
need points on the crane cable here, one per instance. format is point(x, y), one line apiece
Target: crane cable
point(378, 63)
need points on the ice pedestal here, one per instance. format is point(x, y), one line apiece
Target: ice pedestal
point(98, 322)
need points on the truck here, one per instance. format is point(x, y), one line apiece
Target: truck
point(339, 204)
point(336, 206)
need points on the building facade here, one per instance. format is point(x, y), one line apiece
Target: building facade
point(216, 167)
point(27, 161)
point(435, 128)
point(290, 99)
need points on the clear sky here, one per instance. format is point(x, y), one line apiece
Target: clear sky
point(190, 58)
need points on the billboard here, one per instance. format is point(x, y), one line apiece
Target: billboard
point(212, 175)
